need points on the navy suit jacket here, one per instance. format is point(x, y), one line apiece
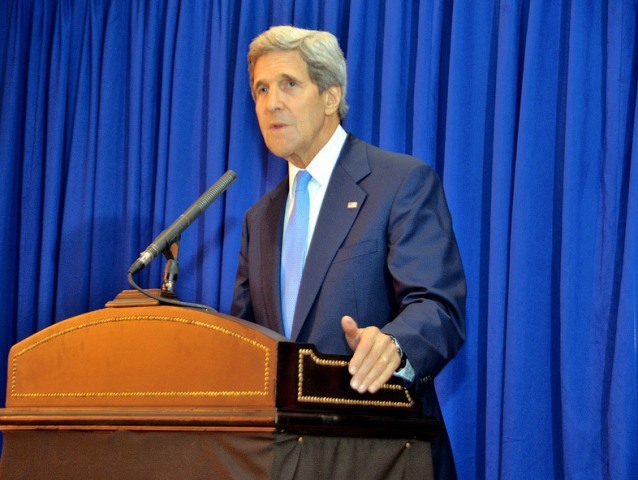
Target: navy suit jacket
point(383, 252)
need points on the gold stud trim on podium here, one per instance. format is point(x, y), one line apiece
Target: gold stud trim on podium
point(302, 397)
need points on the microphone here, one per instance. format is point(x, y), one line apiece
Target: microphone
point(165, 239)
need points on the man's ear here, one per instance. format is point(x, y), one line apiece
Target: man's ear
point(333, 99)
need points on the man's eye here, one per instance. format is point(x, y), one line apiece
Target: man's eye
point(291, 84)
point(261, 90)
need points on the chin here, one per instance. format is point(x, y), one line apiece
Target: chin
point(278, 150)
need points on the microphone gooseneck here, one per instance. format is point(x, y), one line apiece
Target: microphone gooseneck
point(171, 234)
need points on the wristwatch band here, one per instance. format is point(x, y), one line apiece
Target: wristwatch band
point(400, 352)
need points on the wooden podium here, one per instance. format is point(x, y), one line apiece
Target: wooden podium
point(169, 392)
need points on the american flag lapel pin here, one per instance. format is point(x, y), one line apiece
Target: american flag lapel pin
point(353, 204)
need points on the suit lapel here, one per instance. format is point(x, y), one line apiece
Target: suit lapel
point(341, 205)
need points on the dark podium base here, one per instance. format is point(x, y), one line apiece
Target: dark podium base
point(142, 455)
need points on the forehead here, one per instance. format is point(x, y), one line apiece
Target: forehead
point(272, 66)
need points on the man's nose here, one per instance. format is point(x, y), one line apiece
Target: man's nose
point(273, 99)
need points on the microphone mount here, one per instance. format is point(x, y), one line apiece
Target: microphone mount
point(171, 270)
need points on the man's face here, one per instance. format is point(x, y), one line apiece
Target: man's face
point(296, 120)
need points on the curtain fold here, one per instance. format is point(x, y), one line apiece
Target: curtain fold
point(116, 116)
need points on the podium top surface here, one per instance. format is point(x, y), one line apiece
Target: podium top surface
point(169, 367)
point(167, 356)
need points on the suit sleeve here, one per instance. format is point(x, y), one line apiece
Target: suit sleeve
point(242, 306)
point(427, 275)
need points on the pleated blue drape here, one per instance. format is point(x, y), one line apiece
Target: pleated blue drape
point(116, 115)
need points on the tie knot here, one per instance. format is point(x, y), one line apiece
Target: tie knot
point(303, 178)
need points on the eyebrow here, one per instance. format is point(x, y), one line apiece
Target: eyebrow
point(287, 78)
point(283, 77)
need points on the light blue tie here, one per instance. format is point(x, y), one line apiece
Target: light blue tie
point(293, 251)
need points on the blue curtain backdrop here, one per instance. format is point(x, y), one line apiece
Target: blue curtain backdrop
point(116, 115)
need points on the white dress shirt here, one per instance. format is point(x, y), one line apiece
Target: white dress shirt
point(320, 169)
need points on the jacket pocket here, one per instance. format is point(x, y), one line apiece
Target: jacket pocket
point(358, 249)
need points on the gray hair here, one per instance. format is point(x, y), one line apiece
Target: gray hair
point(320, 50)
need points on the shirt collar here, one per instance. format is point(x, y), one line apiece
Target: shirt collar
point(321, 167)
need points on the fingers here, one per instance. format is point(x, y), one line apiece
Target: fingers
point(374, 361)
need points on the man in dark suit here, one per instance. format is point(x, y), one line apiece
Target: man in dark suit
point(382, 275)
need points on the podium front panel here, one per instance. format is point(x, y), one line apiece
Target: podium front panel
point(144, 356)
